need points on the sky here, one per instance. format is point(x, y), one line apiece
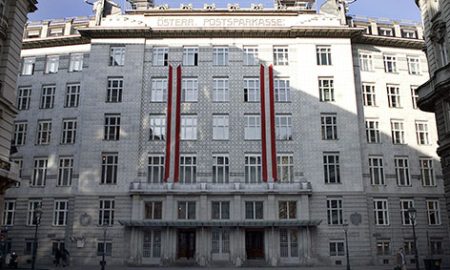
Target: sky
point(392, 9)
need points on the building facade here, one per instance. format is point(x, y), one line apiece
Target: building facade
point(225, 136)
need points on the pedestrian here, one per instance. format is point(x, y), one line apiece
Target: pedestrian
point(57, 260)
point(401, 259)
point(65, 256)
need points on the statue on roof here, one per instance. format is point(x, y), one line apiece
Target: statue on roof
point(103, 8)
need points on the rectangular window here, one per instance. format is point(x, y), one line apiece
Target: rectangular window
point(220, 56)
point(282, 90)
point(326, 89)
point(398, 133)
point(28, 65)
point(287, 209)
point(114, 90)
point(153, 210)
point(252, 168)
point(188, 169)
point(413, 65)
point(112, 127)
point(369, 97)
point(155, 169)
point(323, 55)
point(221, 169)
point(283, 127)
point(436, 247)
point(109, 168)
point(285, 167)
point(422, 132)
point(57, 245)
point(221, 91)
point(152, 244)
point(47, 97)
point(288, 243)
point(390, 63)
point(337, 249)
point(23, 98)
point(442, 51)
point(254, 210)
point(220, 210)
point(220, 127)
point(250, 56)
point(9, 212)
point(52, 64)
point(406, 204)
point(76, 62)
point(427, 172)
point(72, 95)
point(28, 246)
point(334, 211)
point(252, 130)
point(19, 163)
point(39, 172)
point(190, 56)
point(157, 128)
point(104, 247)
point(409, 33)
point(32, 215)
point(329, 126)
point(186, 210)
point(106, 212)
point(409, 247)
point(433, 211)
point(65, 171)
point(60, 212)
point(388, 32)
point(393, 92)
point(376, 170)
point(280, 56)
point(372, 131)
point(414, 96)
point(381, 211)
point(20, 133)
point(189, 90)
point(331, 168)
point(69, 131)
point(383, 247)
point(366, 62)
point(251, 90)
point(402, 171)
point(220, 241)
point(160, 56)
point(159, 90)
point(44, 132)
point(117, 56)
point(188, 127)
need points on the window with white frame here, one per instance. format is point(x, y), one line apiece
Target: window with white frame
point(47, 97)
point(117, 56)
point(422, 132)
point(112, 127)
point(414, 96)
point(220, 241)
point(114, 90)
point(331, 168)
point(251, 90)
point(283, 127)
point(32, 215)
point(376, 170)
point(366, 62)
point(398, 133)
point(160, 56)
point(401, 165)
point(9, 212)
point(220, 127)
point(221, 169)
point(254, 210)
point(252, 130)
point(406, 204)
point(221, 92)
point(186, 210)
point(106, 212)
point(390, 63)
point(188, 169)
point(383, 247)
point(334, 211)
point(23, 98)
point(393, 93)
point(189, 127)
point(65, 171)
point(44, 132)
point(280, 55)
point(151, 244)
point(52, 64)
point(189, 90)
point(20, 133)
point(104, 247)
point(19, 162)
point(442, 51)
point(76, 62)
point(433, 212)
point(159, 90)
point(337, 248)
point(190, 56)
point(153, 210)
point(288, 243)
point(427, 172)
point(436, 246)
point(372, 131)
point(250, 55)
point(69, 131)
point(287, 209)
point(282, 90)
point(220, 56)
point(28, 65)
point(285, 167)
point(323, 55)
point(155, 169)
point(383, 31)
point(381, 211)
point(60, 212)
point(39, 172)
point(157, 127)
point(409, 247)
point(253, 168)
point(109, 168)
point(326, 89)
point(413, 65)
point(328, 126)
point(220, 210)
point(368, 93)
point(406, 33)
point(72, 98)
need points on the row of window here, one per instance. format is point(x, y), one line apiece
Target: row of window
point(47, 99)
point(397, 131)
point(381, 211)
point(390, 63)
point(384, 247)
point(393, 94)
point(52, 64)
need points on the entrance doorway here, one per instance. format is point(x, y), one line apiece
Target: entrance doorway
point(186, 244)
point(254, 244)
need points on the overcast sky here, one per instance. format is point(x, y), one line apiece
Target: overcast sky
point(393, 9)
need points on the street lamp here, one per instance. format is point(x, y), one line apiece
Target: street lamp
point(412, 212)
point(345, 225)
point(103, 262)
point(37, 214)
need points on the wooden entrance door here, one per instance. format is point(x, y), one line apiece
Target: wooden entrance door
point(186, 244)
point(254, 244)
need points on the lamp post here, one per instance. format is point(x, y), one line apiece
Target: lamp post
point(412, 212)
point(37, 214)
point(103, 262)
point(346, 244)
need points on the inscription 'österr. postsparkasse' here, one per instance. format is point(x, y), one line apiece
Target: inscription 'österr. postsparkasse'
point(220, 22)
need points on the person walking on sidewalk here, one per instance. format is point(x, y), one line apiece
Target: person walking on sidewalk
point(401, 259)
point(57, 260)
point(64, 256)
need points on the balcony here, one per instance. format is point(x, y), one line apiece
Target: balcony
point(437, 87)
point(3, 27)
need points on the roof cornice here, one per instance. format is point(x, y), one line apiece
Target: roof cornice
point(391, 41)
point(54, 42)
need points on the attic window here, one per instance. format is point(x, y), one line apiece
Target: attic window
point(56, 32)
point(409, 34)
point(388, 32)
point(34, 33)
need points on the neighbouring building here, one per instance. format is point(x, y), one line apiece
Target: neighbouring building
point(236, 136)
